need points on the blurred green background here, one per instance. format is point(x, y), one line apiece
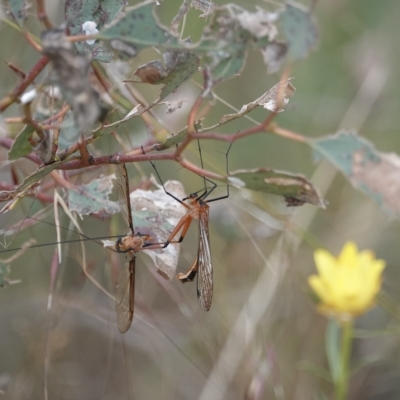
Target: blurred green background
point(262, 326)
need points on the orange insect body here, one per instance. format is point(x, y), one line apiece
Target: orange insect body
point(131, 243)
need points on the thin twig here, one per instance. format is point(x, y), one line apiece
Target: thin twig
point(30, 77)
point(42, 15)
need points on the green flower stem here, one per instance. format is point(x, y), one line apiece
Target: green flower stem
point(344, 376)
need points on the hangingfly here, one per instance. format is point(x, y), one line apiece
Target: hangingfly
point(198, 208)
point(202, 266)
point(130, 244)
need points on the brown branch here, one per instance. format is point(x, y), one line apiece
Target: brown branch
point(30, 77)
point(86, 158)
point(21, 74)
point(190, 127)
point(286, 133)
point(226, 137)
point(30, 121)
point(199, 171)
point(32, 42)
point(116, 159)
point(42, 15)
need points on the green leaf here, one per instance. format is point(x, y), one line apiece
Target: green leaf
point(18, 10)
point(299, 29)
point(137, 30)
point(30, 180)
point(101, 12)
point(175, 139)
point(374, 173)
point(231, 32)
point(184, 66)
point(294, 188)
point(229, 65)
point(22, 144)
point(93, 197)
point(180, 65)
point(332, 343)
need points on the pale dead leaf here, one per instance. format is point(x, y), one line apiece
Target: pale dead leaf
point(167, 212)
point(274, 100)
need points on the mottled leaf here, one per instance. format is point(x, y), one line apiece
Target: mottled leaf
point(299, 29)
point(93, 197)
point(375, 173)
point(296, 189)
point(22, 145)
point(101, 12)
point(175, 139)
point(136, 30)
point(18, 10)
point(231, 33)
point(180, 65)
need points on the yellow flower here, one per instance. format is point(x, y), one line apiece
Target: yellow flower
point(346, 286)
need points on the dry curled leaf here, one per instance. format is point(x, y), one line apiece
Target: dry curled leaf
point(274, 100)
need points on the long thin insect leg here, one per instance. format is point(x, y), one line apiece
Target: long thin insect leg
point(162, 184)
point(201, 162)
point(183, 224)
point(227, 186)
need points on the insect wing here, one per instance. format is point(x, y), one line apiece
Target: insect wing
point(204, 264)
point(123, 188)
point(124, 296)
